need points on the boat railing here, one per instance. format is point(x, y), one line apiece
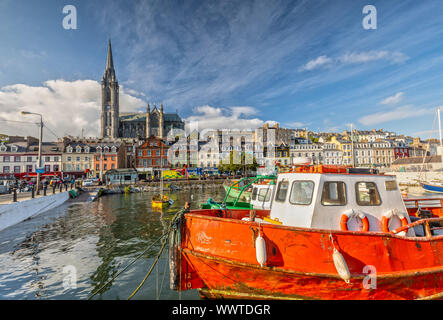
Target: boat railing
point(427, 226)
point(274, 178)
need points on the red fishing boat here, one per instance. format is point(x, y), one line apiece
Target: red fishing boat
point(331, 233)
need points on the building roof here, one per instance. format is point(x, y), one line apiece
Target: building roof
point(141, 116)
point(23, 147)
point(417, 160)
point(121, 171)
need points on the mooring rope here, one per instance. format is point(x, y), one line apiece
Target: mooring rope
point(125, 268)
point(163, 236)
point(173, 222)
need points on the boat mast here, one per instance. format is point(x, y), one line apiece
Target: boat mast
point(439, 125)
point(352, 146)
point(161, 171)
point(441, 145)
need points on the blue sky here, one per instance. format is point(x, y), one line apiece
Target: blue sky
point(300, 63)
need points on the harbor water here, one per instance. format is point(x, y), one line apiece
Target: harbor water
point(73, 250)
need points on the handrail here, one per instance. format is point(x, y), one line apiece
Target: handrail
point(417, 223)
point(246, 186)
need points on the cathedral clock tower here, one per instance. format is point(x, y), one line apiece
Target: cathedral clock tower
point(109, 120)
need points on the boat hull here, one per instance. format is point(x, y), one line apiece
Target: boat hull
point(432, 188)
point(300, 263)
point(160, 204)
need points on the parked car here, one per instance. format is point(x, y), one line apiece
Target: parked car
point(87, 182)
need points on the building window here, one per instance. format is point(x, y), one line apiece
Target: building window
point(47, 159)
point(17, 159)
point(17, 169)
point(113, 166)
point(6, 169)
point(6, 159)
point(47, 168)
point(56, 168)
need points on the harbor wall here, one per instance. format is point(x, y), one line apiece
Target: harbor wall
point(413, 178)
point(13, 213)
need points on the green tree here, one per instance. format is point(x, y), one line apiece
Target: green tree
point(235, 164)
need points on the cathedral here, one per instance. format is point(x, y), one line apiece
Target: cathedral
point(136, 125)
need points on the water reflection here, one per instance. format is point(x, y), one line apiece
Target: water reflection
point(98, 239)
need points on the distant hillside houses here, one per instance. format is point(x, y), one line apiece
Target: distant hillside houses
point(270, 145)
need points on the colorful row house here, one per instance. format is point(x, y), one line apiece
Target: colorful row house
point(152, 156)
point(92, 158)
point(19, 158)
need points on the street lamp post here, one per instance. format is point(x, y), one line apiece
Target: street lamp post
point(39, 147)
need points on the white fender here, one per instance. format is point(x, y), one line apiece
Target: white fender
point(341, 266)
point(260, 250)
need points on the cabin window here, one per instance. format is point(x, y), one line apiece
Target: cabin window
point(281, 191)
point(264, 195)
point(254, 194)
point(334, 193)
point(367, 194)
point(301, 192)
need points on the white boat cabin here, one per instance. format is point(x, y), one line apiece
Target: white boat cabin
point(320, 201)
point(262, 195)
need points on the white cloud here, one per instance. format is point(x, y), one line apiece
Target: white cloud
point(393, 99)
point(355, 58)
point(209, 117)
point(66, 106)
point(296, 124)
point(316, 63)
point(395, 114)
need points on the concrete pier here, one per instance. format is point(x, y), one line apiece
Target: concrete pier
point(15, 212)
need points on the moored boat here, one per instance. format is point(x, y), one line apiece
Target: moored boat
point(161, 201)
point(237, 189)
point(330, 234)
point(434, 187)
point(262, 188)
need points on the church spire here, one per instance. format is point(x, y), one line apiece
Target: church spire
point(109, 61)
